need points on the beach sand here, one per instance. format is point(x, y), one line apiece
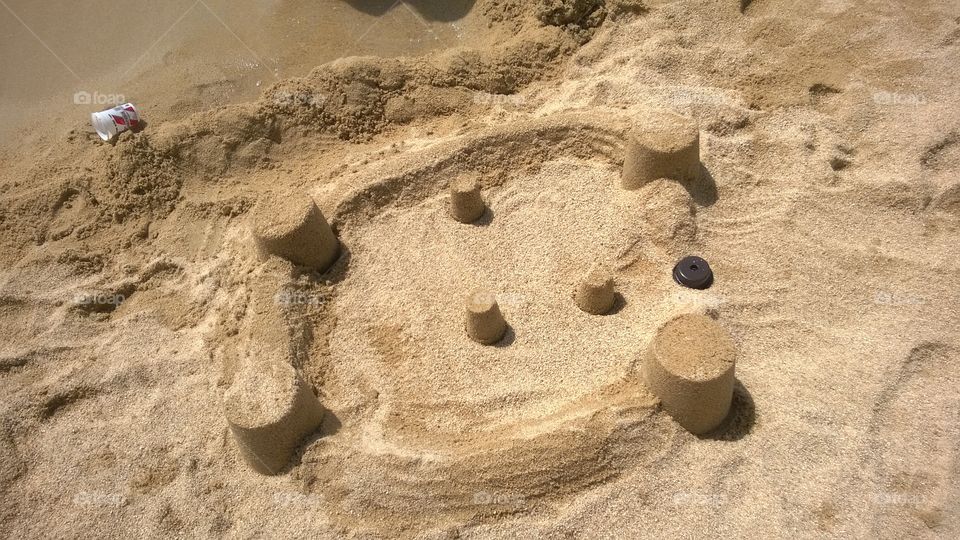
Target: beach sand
point(166, 370)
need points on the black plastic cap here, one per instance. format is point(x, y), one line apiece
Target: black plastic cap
point(693, 272)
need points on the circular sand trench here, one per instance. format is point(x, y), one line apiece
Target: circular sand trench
point(400, 311)
point(434, 425)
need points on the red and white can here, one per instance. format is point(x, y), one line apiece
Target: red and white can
point(115, 121)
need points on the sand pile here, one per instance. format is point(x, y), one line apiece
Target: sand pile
point(164, 373)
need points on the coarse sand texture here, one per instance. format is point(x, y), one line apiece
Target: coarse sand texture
point(294, 228)
point(662, 144)
point(689, 366)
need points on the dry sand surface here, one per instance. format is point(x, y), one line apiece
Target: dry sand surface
point(166, 370)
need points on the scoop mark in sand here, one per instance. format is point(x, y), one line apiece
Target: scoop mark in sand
point(59, 401)
point(821, 90)
point(933, 157)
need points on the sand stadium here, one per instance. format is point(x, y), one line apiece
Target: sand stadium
point(482, 269)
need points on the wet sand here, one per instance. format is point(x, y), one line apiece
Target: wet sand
point(183, 56)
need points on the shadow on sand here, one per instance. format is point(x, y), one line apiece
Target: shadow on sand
point(431, 10)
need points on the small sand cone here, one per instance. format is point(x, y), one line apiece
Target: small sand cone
point(662, 145)
point(270, 410)
point(485, 323)
point(466, 202)
point(294, 228)
point(690, 366)
point(595, 294)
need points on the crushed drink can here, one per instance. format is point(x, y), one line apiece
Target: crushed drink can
point(115, 121)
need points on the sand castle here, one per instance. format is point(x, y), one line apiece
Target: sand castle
point(270, 410)
point(595, 294)
point(466, 202)
point(267, 404)
point(661, 144)
point(485, 323)
point(295, 229)
point(686, 370)
point(690, 365)
point(157, 363)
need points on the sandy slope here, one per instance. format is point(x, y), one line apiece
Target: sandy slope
point(829, 209)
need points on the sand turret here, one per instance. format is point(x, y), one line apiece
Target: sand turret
point(690, 367)
point(295, 229)
point(595, 294)
point(270, 410)
point(485, 322)
point(466, 202)
point(661, 144)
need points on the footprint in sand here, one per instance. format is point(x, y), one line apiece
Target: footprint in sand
point(915, 443)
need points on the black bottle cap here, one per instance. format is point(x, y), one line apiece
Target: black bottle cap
point(693, 272)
